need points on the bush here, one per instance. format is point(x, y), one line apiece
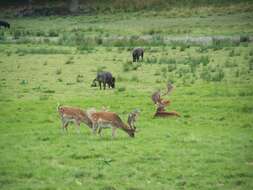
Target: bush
point(101, 68)
point(232, 53)
point(2, 36)
point(127, 66)
point(251, 64)
point(218, 75)
point(121, 89)
point(195, 62)
point(79, 78)
point(152, 60)
point(172, 67)
point(53, 33)
point(42, 51)
point(244, 38)
point(69, 61)
point(17, 34)
point(135, 78)
point(58, 71)
point(165, 60)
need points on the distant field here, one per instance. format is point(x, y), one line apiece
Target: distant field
point(208, 147)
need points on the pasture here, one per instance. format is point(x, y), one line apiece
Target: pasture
point(50, 61)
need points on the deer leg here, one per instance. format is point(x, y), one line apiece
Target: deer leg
point(113, 132)
point(78, 126)
point(94, 128)
point(99, 131)
point(64, 124)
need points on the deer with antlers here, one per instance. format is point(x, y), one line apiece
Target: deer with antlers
point(105, 119)
point(161, 103)
point(71, 114)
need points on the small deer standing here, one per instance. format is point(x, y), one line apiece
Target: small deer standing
point(71, 114)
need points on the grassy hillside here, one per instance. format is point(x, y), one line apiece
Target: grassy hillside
point(50, 60)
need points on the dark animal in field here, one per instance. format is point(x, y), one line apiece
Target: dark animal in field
point(104, 78)
point(71, 114)
point(137, 53)
point(4, 24)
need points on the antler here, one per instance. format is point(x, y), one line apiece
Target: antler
point(169, 88)
point(156, 97)
point(132, 117)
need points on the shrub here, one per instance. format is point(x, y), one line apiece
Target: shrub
point(218, 75)
point(165, 60)
point(17, 34)
point(202, 49)
point(172, 67)
point(195, 62)
point(40, 33)
point(126, 66)
point(232, 53)
point(101, 68)
point(23, 82)
point(79, 78)
point(251, 52)
point(183, 70)
point(2, 36)
point(157, 73)
point(42, 51)
point(135, 78)
point(69, 61)
point(121, 89)
point(244, 38)
point(58, 71)
point(53, 33)
point(152, 60)
point(250, 63)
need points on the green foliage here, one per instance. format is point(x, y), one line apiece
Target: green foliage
point(213, 94)
point(41, 50)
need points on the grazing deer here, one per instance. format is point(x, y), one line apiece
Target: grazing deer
point(104, 119)
point(71, 114)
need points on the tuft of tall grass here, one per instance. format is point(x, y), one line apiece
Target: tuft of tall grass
point(169, 61)
point(152, 60)
point(42, 50)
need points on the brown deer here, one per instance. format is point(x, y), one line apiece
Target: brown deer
point(71, 114)
point(160, 111)
point(161, 103)
point(104, 119)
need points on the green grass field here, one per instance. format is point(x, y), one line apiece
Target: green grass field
point(209, 147)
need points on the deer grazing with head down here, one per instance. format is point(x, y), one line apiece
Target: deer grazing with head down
point(105, 119)
point(71, 114)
